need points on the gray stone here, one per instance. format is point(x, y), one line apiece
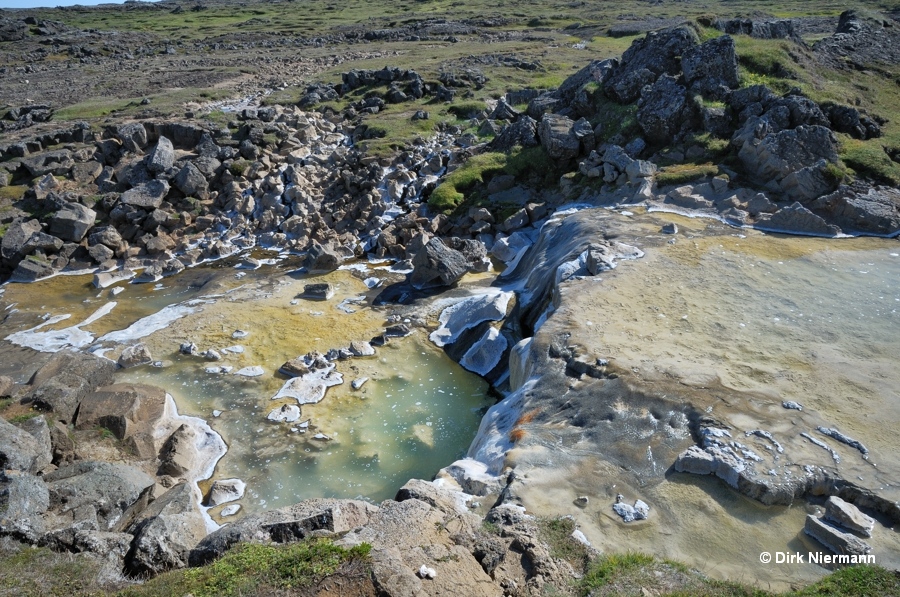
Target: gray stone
point(310, 518)
point(848, 516)
point(31, 269)
point(63, 381)
point(647, 58)
point(834, 539)
point(24, 498)
point(124, 409)
point(437, 265)
point(711, 66)
point(179, 453)
point(224, 491)
point(162, 157)
point(111, 488)
point(57, 162)
point(43, 242)
point(134, 356)
point(191, 182)
point(16, 237)
point(663, 109)
point(149, 195)
point(132, 135)
point(799, 220)
point(557, 137)
point(863, 209)
point(320, 259)
point(21, 451)
point(170, 527)
point(361, 348)
point(317, 292)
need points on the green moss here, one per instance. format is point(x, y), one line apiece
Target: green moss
point(684, 173)
point(466, 110)
point(23, 417)
point(450, 193)
point(250, 569)
point(869, 158)
point(239, 167)
point(605, 568)
point(557, 533)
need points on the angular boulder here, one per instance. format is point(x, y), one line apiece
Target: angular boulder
point(63, 381)
point(711, 68)
point(834, 538)
point(24, 499)
point(191, 182)
point(148, 195)
point(21, 451)
point(557, 137)
point(646, 59)
point(663, 109)
point(16, 238)
point(162, 157)
point(109, 488)
point(437, 265)
point(124, 409)
point(169, 528)
point(72, 222)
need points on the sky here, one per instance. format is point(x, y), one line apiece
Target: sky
point(53, 3)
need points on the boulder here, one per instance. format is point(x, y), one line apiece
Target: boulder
point(317, 292)
point(12, 30)
point(148, 195)
point(224, 491)
point(43, 242)
point(134, 356)
point(711, 68)
point(321, 259)
point(17, 234)
point(191, 182)
point(773, 156)
point(133, 136)
point(124, 409)
point(649, 57)
point(110, 488)
point(310, 518)
point(835, 539)
point(521, 133)
point(162, 157)
point(57, 162)
point(32, 268)
point(437, 265)
point(848, 516)
point(861, 208)
point(361, 348)
point(169, 528)
point(21, 451)
point(63, 381)
point(179, 452)
point(24, 498)
point(557, 137)
point(798, 220)
point(663, 110)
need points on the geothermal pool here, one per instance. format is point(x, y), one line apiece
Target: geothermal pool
point(418, 411)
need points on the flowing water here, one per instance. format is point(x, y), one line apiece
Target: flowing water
point(417, 413)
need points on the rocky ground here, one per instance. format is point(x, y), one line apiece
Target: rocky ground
point(695, 116)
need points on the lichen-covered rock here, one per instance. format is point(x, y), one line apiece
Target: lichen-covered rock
point(124, 409)
point(711, 68)
point(663, 109)
point(437, 265)
point(162, 157)
point(169, 528)
point(861, 208)
point(557, 137)
point(655, 54)
point(148, 195)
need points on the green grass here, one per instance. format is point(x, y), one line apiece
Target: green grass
point(684, 173)
point(557, 533)
point(23, 417)
point(251, 569)
point(869, 158)
point(630, 573)
point(450, 193)
point(606, 567)
point(167, 102)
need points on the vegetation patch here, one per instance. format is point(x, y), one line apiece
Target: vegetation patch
point(251, 569)
point(684, 173)
point(557, 534)
point(869, 158)
point(450, 193)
